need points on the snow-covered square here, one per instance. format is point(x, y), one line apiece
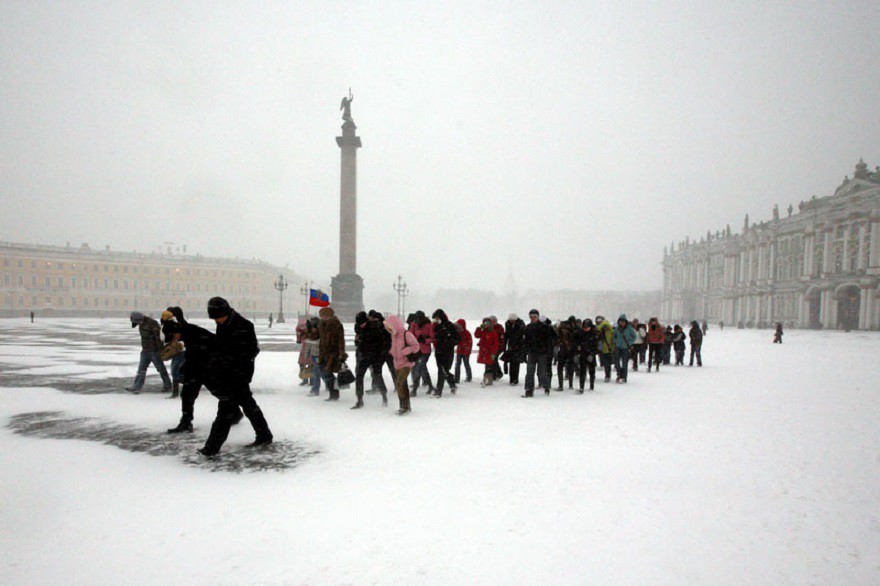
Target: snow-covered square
point(761, 467)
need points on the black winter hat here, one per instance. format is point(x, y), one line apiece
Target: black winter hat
point(218, 307)
point(534, 312)
point(587, 322)
point(439, 314)
point(376, 315)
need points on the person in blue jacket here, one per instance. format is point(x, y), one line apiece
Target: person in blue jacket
point(624, 337)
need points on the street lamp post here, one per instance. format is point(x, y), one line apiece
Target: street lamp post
point(304, 290)
point(402, 291)
point(281, 285)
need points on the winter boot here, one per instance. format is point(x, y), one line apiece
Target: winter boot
point(184, 426)
point(262, 440)
point(358, 405)
point(175, 391)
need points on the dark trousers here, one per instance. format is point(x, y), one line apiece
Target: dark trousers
point(564, 370)
point(536, 363)
point(466, 360)
point(188, 395)
point(655, 352)
point(666, 353)
point(622, 361)
point(444, 372)
point(374, 365)
point(420, 372)
point(695, 351)
point(679, 355)
point(634, 353)
point(587, 364)
point(513, 369)
point(607, 360)
point(228, 405)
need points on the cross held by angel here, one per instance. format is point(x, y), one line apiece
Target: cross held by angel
point(345, 106)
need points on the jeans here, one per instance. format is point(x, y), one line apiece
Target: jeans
point(695, 351)
point(177, 362)
point(141, 376)
point(536, 362)
point(666, 353)
point(317, 375)
point(466, 359)
point(607, 360)
point(420, 372)
point(622, 362)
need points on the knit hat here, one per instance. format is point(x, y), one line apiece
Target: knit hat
point(136, 318)
point(326, 312)
point(218, 307)
point(512, 317)
point(534, 312)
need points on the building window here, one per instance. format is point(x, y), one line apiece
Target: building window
point(116, 284)
point(47, 282)
point(73, 301)
point(20, 281)
point(61, 281)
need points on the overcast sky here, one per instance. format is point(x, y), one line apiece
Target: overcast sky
point(567, 142)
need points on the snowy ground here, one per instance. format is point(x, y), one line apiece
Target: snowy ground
point(763, 467)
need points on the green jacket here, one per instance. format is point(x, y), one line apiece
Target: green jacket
point(606, 331)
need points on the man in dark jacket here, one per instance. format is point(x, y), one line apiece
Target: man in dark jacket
point(696, 336)
point(586, 345)
point(198, 342)
point(371, 336)
point(514, 346)
point(538, 338)
point(228, 373)
point(446, 338)
point(565, 353)
point(150, 347)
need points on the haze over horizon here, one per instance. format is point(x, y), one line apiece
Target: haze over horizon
point(565, 142)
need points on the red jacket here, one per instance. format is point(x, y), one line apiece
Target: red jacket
point(656, 335)
point(489, 345)
point(466, 346)
point(426, 333)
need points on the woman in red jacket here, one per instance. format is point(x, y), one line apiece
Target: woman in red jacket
point(488, 350)
point(463, 351)
point(656, 337)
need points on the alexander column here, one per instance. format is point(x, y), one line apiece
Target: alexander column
point(348, 286)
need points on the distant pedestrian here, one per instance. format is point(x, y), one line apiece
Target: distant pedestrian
point(151, 344)
point(586, 343)
point(678, 344)
point(696, 337)
point(32, 317)
point(403, 345)
point(640, 347)
point(705, 328)
point(331, 349)
point(565, 353)
point(624, 337)
point(777, 335)
point(721, 325)
point(270, 321)
point(173, 346)
point(668, 337)
point(538, 340)
point(656, 337)
point(606, 345)
point(489, 346)
point(514, 346)
point(463, 352)
point(446, 338)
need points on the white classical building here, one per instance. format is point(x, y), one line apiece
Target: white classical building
point(816, 268)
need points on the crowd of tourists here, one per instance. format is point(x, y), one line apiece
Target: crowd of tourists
point(223, 361)
point(573, 348)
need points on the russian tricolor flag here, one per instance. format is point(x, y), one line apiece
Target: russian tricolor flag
point(318, 298)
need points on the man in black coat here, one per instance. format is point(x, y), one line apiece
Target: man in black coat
point(446, 338)
point(514, 346)
point(198, 342)
point(538, 341)
point(371, 338)
point(228, 373)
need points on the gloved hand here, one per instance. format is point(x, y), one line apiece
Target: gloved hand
point(343, 357)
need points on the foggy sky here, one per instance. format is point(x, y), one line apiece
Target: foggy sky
point(567, 142)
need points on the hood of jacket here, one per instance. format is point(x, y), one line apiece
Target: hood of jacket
point(394, 323)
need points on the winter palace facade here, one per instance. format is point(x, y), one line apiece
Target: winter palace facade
point(817, 267)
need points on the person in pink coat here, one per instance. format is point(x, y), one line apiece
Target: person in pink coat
point(403, 345)
point(489, 348)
